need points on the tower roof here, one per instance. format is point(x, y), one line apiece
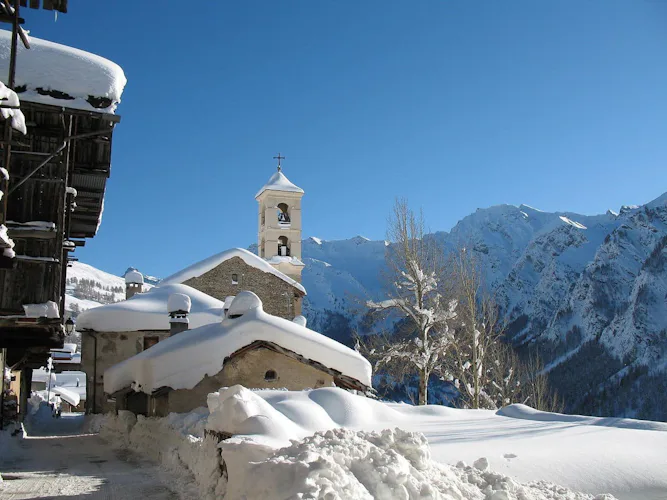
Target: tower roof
point(278, 182)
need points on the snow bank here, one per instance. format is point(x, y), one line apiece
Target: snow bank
point(176, 441)
point(214, 261)
point(49, 66)
point(528, 413)
point(278, 182)
point(627, 462)
point(148, 311)
point(169, 363)
point(387, 465)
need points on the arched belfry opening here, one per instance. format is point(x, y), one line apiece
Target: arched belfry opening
point(283, 214)
point(283, 246)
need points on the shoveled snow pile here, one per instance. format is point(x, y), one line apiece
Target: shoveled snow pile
point(387, 465)
point(47, 67)
point(623, 457)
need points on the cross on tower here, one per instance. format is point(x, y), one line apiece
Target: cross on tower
point(279, 158)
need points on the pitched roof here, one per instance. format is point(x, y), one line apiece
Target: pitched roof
point(148, 311)
point(214, 261)
point(278, 182)
point(170, 362)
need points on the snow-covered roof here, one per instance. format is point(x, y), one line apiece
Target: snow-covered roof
point(49, 66)
point(148, 311)
point(278, 182)
point(214, 261)
point(182, 361)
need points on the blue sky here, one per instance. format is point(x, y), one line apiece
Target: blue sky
point(453, 104)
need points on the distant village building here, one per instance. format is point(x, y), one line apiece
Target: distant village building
point(115, 332)
point(248, 347)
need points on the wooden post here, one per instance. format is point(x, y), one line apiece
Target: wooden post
point(8, 125)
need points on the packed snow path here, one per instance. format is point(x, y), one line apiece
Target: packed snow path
point(56, 461)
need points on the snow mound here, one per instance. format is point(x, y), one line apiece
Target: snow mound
point(386, 465)
point(527, 413)
point(214, 261)
point(134, 277)
point(49, 66)
point(179, 302)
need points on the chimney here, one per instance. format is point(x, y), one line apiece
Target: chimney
point(134, 283)
point(178, 306)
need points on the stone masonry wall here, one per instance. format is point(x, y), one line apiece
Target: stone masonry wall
point(249, 369)
point(112, 348)
point(277, 295)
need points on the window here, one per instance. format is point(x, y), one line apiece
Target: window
point(270, 375)
point(235, 279)
point(150, 342)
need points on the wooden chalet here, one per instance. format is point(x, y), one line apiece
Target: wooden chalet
point(53, 199)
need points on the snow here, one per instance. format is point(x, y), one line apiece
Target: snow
point(578, 225)
point(620, 456)
point(9, 98)
point(33, 224)
point(134, 277)
point(51, 66)
point(300, 320)
point(72, 191)
point(179, 302)
point(280, 259)
point(278, 182)
point(317, 241)
point(47, 310)
point(148, 311)
point(170, 363)
point(6, 243)
point(214, 261)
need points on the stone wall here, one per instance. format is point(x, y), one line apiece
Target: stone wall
point(112, 348)
point(249, 369)
point(279, 297)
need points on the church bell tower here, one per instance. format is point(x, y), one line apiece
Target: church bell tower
point(279, 235)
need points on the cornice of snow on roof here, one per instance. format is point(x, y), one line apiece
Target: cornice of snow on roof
point(278, 182)
point(148, 311)
point(204, 266)
point(182, 361)
point(55, 74)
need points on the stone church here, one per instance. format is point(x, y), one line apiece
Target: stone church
point(116, 332)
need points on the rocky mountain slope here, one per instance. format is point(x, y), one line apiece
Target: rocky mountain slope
point(589, 293)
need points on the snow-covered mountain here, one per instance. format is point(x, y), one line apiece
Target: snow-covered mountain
point(588, 292)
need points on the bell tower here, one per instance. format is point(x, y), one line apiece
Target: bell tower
point(279, 235)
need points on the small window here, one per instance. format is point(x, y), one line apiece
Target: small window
point(270, 375)
point(150, 342)
point(235, 279)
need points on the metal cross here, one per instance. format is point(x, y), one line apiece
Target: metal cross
point(279, 158)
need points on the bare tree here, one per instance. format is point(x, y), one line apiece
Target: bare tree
point(477, 334)
point(537, 391)
point(415, 287)
point(505, 374)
